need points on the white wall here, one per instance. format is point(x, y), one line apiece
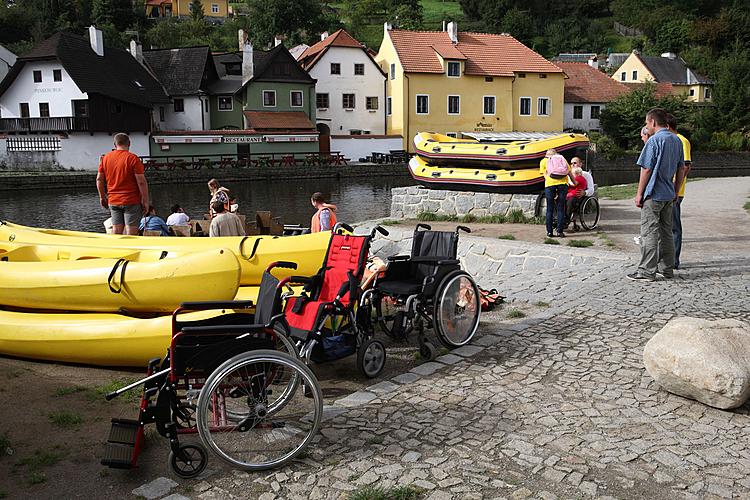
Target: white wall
point(355, 147)
point(585, 123)
point(190, 119)
point(78, 150)
point(57, 94)
point(371, 84)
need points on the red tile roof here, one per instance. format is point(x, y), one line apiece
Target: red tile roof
point(339, 38)
point(588, 85)
point(448, 52)
point(663, 89)
point(486, 54)
point(273, 120)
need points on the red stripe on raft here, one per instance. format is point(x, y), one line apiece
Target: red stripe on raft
point(538, 180)
point(541, 154)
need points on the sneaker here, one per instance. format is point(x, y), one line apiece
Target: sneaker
point(549, 235)
point(561, 235)
point(661, 275)
point(638, 277)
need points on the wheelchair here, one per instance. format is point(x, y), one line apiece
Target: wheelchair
point(331, 319)
point(586, 212)
point(428, 290)
point(232, 378)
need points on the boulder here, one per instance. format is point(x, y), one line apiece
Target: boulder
point(705, 360)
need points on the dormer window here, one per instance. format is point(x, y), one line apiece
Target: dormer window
point(454, 69)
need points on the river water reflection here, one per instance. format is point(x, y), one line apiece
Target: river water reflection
point(357, 199)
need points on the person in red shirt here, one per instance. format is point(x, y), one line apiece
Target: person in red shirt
point(122, 186)
point(576, 192)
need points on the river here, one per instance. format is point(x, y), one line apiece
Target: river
point(357, 199)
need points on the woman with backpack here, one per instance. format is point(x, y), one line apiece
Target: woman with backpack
point(556, 172)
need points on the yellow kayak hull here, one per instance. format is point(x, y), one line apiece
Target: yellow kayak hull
point(101, 339)
point(254, 253)
point(442, 150)
point(522, 181)
point(111, 285)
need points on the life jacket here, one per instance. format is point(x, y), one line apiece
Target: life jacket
point(315, 222)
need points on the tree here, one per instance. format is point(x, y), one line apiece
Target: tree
point(196, 10)
point(298, 20)
point(519, 24)
point(732, 90)
point(408, 17)
point(101, 12)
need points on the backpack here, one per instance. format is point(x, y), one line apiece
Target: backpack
point(557, 167)
point(488, 299)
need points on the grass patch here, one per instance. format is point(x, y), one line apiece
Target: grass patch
point(516, 216)
point(515, 313)
point(390, 222)
point(605, 238)
point(375, 440)
point(42, 458)
point(580, 243)
point(551, 241)
point(618, 192)
point(65, 418)
point(746, 206)
point(506, 237)
point(541, 303)
point(64, 391)
point(37, 478)
point(409, 492)
point(98, 392)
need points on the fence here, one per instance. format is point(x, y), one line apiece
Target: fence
point(30, 144)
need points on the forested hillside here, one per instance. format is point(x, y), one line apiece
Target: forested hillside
point(712, 36)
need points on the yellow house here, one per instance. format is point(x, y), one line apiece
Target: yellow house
point(667, 69)
point(215, 9)
point(463, 83)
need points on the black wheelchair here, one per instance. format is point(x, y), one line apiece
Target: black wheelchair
point(427, 290)
point(233, 378)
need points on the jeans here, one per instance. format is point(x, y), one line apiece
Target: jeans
point(677, 231)
point(561, 191)
point(657, 243)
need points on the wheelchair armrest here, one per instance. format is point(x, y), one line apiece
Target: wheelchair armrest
point(394, 258)
point(301, 279)
point(216, 304)
point(448, 262)
point(431, 258)
point(221, 329)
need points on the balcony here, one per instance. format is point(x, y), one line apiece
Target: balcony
point(47, 124)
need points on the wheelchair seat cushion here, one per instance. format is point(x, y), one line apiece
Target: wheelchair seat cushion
point(400, 287)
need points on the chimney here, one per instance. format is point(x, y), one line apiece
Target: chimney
point(594, 62)
point(387, 27)
point(669, 55)
point(276, 41)
point(96, 41)
point(453, 32)
point(136, 50)
point(246, 46)
point(689, 75)
point(323, 36)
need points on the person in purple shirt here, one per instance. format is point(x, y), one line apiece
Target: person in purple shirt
point(662, 171)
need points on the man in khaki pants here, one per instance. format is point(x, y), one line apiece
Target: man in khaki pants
point(662, 170)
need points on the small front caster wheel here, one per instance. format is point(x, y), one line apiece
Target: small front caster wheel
point(189, 461)
point(371, 358)
point(427, 350)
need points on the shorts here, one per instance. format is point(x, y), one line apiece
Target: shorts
point(128, 215)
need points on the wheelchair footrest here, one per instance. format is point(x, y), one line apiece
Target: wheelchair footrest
point(121, 447)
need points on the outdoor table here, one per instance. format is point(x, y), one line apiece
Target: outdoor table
point(200, 162)
point(288, 161)
point(312, 159)
point(151, 165)
point(226, 161)
point(339, 159)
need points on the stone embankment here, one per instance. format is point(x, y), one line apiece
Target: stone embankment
point(408, 202)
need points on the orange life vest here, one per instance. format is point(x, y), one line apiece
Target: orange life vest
point(315, 222)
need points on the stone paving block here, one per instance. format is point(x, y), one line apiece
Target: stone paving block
point(488, 340)
point(383, 387)
point(467, 350)
point(449, 359)
point(330, 412)
point(177, 496)
point(155, 489)
point(406, 378)
point(427, 368)
point(358, 398)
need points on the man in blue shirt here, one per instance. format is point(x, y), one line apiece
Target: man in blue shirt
point(152, 222)
point(661, 163)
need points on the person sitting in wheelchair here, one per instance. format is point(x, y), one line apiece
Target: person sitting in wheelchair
point(575, 193)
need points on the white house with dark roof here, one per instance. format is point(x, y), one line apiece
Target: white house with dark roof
point(350, 88)
point(587, 93)
point(7, 60)
point(62, 102)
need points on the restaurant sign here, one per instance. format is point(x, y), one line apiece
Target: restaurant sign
point(242, 139)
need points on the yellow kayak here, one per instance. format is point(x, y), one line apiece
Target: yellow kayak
point(114, 284)
point(522, 181)
point(102, 339)
point(254, 253)
point(442, 150)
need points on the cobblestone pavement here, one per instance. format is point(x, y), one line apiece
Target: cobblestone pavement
point(558, 406)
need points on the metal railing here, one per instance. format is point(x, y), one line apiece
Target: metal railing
point(46, 124)
point(258, 160)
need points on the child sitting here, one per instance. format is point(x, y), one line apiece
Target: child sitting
point(575, 193)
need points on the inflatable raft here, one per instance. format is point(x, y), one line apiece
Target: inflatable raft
point(254, 253)
point(476, 179)
point(141, 281)
point(442, 150)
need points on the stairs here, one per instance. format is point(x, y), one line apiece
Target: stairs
point(123, 444)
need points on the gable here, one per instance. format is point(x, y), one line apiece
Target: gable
point(181, 71)
point(280, 66)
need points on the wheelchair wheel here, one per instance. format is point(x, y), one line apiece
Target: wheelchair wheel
point(267, 390)
point(456, 313)
point(588, 213)
point(371, 358)
point(391, 314)
point(189, 461)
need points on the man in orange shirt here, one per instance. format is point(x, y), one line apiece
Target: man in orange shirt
point(122, 187)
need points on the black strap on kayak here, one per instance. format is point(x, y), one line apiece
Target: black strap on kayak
point(252, 252)
point(122, 275)
point(164, 254)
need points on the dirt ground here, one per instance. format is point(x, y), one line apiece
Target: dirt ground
point(54, 420)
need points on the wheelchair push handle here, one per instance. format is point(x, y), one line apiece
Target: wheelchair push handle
point(341, 225)
point(426, 227)
point(281, 263)
point(378, 229)
point(463, 228)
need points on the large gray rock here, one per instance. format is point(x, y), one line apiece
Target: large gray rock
point(704, 360)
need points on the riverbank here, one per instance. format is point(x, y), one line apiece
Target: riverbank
point(26, 180)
